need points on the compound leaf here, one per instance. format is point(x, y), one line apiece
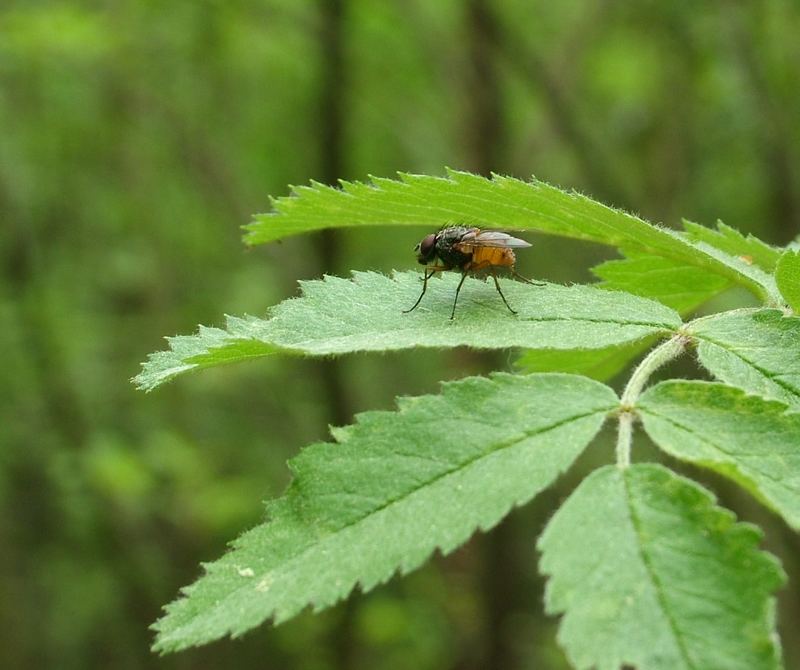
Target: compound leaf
point(756, 350)
point(396, 486)
point(500, 202)
point(649, 573)
point(365, 313)
point(753, 441)
point(787, 276)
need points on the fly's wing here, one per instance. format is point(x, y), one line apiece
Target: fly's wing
point(491, 238)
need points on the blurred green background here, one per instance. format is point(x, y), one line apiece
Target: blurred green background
point(137, 136)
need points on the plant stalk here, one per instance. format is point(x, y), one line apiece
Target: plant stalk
point(659, 356)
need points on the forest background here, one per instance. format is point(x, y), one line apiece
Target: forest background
point(136, 137)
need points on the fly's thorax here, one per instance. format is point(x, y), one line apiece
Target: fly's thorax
point(446, 241)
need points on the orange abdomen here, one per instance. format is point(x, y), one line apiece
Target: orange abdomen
point(483, 257)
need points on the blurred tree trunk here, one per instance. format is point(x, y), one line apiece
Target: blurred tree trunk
point(332, 104)
point(486, 129)
point(331, 168)
point(501, 578)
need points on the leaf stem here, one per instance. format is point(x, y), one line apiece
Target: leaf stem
point(659, 356)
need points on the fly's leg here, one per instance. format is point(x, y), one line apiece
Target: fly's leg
point(424, 288)
point(429, 272)
point(497, 286)
point(525, 279)
point(453, 313)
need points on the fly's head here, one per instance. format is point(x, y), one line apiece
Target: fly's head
point(426, 249)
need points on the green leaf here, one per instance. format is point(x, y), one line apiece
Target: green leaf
point(787, 276)
point(396, 487)
point(731, 241)
point(599, 364)
point(209, 348)
point(502, 202)
point(650, 573)
point(753, 441)
point(768, 291)
point(756, 350)
point(679, 285)
point(338, 316)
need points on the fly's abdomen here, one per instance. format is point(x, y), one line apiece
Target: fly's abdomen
point(483, 257)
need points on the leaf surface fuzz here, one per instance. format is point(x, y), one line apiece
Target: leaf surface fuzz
point(339, 316)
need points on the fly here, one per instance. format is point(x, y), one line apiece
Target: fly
point(470, 251)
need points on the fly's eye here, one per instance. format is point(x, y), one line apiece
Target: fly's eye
point(426, 248)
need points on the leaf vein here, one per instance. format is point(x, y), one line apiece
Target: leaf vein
point(733, 457)
point(656, 582)
point(775, 377)
point(314, 546)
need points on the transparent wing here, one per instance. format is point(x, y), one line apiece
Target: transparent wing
point(491, 238)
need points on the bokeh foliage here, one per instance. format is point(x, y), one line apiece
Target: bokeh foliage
point(138, 136)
